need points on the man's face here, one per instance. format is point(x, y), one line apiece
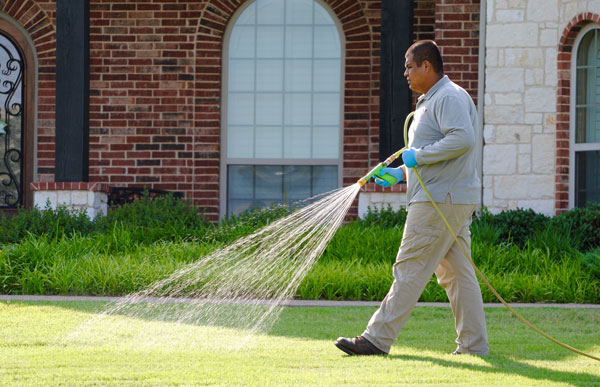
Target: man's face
point(415, 75)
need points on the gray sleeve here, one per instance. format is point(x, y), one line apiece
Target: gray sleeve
point(453, 117)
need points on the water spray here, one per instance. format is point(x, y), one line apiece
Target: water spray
point(377, 172)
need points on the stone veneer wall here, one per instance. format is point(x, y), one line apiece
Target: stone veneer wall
point(89, 197)
point(521, 88)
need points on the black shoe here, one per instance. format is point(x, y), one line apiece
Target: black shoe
point(358, 346)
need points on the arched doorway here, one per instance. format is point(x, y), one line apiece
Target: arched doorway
point(17, 90)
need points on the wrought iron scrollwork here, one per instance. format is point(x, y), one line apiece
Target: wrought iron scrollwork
point(11, 182)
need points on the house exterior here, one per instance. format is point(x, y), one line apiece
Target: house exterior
point(238, 103)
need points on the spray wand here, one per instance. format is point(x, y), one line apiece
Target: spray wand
point(377, 170)
point(392, 180)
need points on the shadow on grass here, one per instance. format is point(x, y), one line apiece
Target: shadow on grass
point(503, 365)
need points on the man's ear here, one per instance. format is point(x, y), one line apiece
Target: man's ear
point(427, 65)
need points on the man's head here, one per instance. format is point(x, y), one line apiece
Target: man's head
point(424, 65)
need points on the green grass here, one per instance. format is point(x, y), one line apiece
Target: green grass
point(298, 351)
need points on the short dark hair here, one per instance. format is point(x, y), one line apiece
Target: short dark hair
point(427, 50)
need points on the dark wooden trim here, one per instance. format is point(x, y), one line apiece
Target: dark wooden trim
point(395, 96)
point(72, 90)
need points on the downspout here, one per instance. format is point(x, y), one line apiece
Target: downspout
point(481, 88)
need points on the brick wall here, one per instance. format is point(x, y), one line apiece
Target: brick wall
point(457, 34)
point(142, 63)
point(155, 86)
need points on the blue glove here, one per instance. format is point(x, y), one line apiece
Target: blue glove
point(408, 156)
point(396, 173)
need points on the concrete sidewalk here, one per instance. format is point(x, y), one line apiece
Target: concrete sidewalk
point(294, 303)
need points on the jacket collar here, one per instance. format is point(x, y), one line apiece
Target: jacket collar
point(438, 85)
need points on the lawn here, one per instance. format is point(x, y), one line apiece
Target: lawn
point(37, 347)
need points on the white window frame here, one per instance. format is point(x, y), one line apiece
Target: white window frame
point(225, 161)
point(573, 146)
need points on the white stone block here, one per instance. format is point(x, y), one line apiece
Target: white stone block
point(524, 149)
point(509, 98)
point(63, 198)
point(502, 114)
point(44, 199)
point(487, 181)
point(540, 99)
point(91, 212)
point(79, 198)
point(533, 118)
point(524, 187)
point(543, 154)
point(511, 134)
point(491, 57)
point(524, 57)
point(510, 15)
point(551, 67)
point(545, 207)
point(521, 4)
point(488, 197)
point(488, 133)
point(534, 77)
point(499, 159)
point(549, 37)
point(512, 35)
point(504, 80)
point(524, 163)
point(542, 10)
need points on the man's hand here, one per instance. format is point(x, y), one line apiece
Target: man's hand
point(408, 156)
point(396, 173)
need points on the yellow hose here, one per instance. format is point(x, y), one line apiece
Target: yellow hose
point(479, 273)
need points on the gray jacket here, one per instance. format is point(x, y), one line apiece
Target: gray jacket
point(444, 131)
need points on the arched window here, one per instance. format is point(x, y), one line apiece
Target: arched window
point(282, 110)
point(585, 133)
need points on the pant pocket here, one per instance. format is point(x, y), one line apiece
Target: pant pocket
point(417, 241)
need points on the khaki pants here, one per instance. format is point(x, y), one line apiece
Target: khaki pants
point(427, 247)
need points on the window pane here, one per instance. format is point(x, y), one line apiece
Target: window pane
point(327, 75)
point(326, 109)
point(240, 108)
point(298, 109)
point(241, 181)
point(296, 182)
point(583, 51)
point(263, 185)
point(581, 90)
point(248, 16)
point(299, 12)
point(241, 75)
point(580, 124)
point(322, 16)
point(269, 42)
point(269, 75)
point(269, 183)
point(297, 142)
point(326, 140)
point(269, 142)
point(327, 42)
point(240, 141)
point(298, 42)
point(298, 74)
point(324, 179)
point(587, 177)
point(268, 108)
point(270, 11)
point(241, 42)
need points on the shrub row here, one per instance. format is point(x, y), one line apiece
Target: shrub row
point(527, 256)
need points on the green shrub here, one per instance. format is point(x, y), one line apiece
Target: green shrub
point(384, 218)
point(583, 223)
point(48, 222)
point(161, 218)
point(519, 225)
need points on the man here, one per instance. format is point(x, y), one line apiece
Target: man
point(442, 149)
